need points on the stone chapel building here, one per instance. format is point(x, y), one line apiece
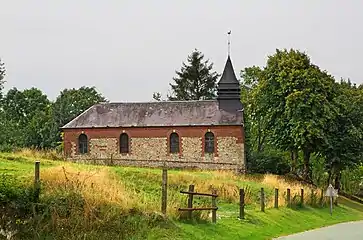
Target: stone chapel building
point(206, 134)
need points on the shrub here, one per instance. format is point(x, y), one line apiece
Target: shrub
point(267, 162)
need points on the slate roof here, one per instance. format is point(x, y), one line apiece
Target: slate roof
point(163, 113)
point(228, 75)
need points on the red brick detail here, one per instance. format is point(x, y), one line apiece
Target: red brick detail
point(171, 130)
point(71, 135)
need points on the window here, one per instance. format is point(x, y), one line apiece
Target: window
point(83, 144)
point(209, 142)
point(124, 143)
point(174, 143)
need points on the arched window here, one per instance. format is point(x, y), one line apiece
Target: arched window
point(174, 143)
point(209, 142)
point(124, 143)
point(83, 144)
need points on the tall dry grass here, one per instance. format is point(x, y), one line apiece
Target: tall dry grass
point(311, 195)
point(40, 154)
point(97, 187)
point(103, 187)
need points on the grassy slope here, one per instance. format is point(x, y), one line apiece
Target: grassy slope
point(144, 184)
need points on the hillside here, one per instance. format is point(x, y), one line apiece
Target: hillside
point(105, 202)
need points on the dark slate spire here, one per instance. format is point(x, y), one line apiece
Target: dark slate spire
point(228, 90)
point(228, 85)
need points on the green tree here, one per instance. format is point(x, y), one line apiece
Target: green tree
point(157, 96)
point(2, 77)
point(21, 106)
point(255, 125)
point(72, 102)
point(42, 131)
point(262, 157)
point(344, 148)
point(195, 80)
point(295, 99)
point(21, 110)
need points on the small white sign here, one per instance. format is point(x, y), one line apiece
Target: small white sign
point(331, 192)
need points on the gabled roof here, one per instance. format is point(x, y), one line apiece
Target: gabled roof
point(148, 114)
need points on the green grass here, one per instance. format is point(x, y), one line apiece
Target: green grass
point(82, 213)
point(272, 223)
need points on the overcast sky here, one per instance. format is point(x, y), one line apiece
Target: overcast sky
point(129, 49)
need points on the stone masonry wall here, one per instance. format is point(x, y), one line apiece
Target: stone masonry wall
point(149, 147)
point(192, 148)
point(103, 147)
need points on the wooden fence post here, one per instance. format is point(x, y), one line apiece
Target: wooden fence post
point(37, 181)
point(276, 198)
point(262, 200)
point(214, 204)
point(302, 197)
point(241, 203)
point(190, 201)
point(164, 191)
point(288, 196)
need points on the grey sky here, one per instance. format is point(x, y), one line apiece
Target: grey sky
point(129, 49)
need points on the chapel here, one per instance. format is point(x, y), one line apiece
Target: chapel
point(204, 134)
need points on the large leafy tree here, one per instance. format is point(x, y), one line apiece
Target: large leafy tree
point(344, 148)
point(254, 121)
point(22, 110)
point(295, 99)
point(2, 75)
point(195, 81)
point(21, 106)
point(72, 102)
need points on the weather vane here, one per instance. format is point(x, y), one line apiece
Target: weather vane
point(229, 42)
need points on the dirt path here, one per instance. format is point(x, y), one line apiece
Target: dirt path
point(342, 231)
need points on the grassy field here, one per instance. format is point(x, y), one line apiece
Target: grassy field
point(102, 202)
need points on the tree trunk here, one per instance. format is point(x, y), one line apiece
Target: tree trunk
point(307, 170)
point(260, 141)
point(337, 180)
point(294, 156)
point(329, 176)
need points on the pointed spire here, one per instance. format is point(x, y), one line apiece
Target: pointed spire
point(228, 75)
point(228, 90)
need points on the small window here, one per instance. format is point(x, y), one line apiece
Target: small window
point(83, 144)
point(174, 143)
point(209, 142)
point(124, 143)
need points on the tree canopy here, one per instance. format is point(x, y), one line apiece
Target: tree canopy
point(72, 102)
point(2, 76)
point(291, 102)
point(29, 119)
point(195, 81)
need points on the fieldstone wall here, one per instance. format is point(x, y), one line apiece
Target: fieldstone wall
point(191, 148)
point(229, 149)
point(103, 147)
point(73, 149)
point(149, 148)
point(147, 151)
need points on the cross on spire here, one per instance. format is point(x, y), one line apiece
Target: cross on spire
point(229, 42)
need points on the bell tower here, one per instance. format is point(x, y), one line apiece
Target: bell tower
point(228, 90)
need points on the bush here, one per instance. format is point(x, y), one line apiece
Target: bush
point(267, 162)
point(11, 190)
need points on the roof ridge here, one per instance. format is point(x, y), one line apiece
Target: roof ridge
point(189, 101)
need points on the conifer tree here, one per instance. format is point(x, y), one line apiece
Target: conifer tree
point(195, 81)
point(2, 76)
